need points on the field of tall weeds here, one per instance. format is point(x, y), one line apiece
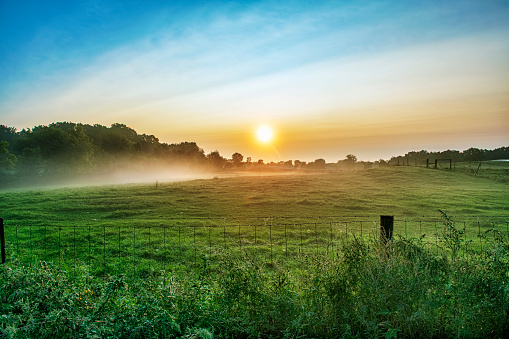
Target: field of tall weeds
point(369, 289)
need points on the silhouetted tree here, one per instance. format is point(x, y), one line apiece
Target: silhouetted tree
point(216, 160)
point(351, 158)
point(497, 154)
point(317, 164)
point(237, 159)
point(473, 154)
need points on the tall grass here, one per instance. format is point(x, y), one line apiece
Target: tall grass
point(368, 289)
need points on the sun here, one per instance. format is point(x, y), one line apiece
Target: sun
point(264, 133)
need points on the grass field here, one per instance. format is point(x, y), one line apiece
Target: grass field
point(399, 191)
point(276, 217)
point(272, 256)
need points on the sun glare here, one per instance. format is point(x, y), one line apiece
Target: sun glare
point(264, 133)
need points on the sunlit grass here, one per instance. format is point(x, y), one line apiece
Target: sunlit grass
point(399, 191)
point(276, 218)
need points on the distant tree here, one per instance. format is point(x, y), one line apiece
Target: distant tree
point(83, 149)
point(297, 163)
point(473, 154)
point(65, 152)
point(8, 134)
point(147, 144)
point(497, 154)
point(31, 164)
point(351, 158)
point(318, 164)
point(116, 143)
point(216, 160)
point(367, 164)
point(7, 160)
point(260, 162)
point(187, 153)
point(126, 131)
point(237, 159)
point(416, 158)
point(451, 154)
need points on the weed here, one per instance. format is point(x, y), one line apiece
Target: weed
point(452, 237)
point(367, 289)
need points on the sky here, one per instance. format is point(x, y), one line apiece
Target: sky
point(371, 78)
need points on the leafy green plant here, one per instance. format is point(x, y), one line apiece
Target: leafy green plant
point(368, 289)
point(451, 237)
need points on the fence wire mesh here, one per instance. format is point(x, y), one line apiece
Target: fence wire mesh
point(196, 242)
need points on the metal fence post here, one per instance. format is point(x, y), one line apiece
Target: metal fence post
point(2, 239)
point(386, 227)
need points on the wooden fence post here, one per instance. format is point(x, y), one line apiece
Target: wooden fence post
point(2, 239)
point(386, 227)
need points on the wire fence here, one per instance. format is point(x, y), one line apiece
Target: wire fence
point(197, 242)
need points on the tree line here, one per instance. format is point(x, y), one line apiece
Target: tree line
point(472, 154)
point(66, 149)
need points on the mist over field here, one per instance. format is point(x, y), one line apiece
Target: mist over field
point(80, 154)
point(136, 176)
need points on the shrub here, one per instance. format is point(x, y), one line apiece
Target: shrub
point(368, 289)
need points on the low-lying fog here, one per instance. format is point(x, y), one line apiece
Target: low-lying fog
point(152, 175)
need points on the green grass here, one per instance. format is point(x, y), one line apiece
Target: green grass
point(399, 191)
point(278, 218)
point(495, 170)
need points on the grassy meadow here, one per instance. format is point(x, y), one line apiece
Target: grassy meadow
point(289, 255)
point(400, 191)
point(274, 216)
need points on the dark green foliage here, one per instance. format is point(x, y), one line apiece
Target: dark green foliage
point(48, 152)
point(368, 290)
point(7, 160)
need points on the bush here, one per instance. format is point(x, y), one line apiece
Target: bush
point(368, 289)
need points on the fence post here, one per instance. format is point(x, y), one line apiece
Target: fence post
point(2, 239)
point(386, 227)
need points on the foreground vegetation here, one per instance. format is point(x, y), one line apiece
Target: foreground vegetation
point(369, 290)
point(408, 288)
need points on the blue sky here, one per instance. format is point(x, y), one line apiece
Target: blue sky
point(373, 78)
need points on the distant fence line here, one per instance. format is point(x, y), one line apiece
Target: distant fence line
point(196, 241)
